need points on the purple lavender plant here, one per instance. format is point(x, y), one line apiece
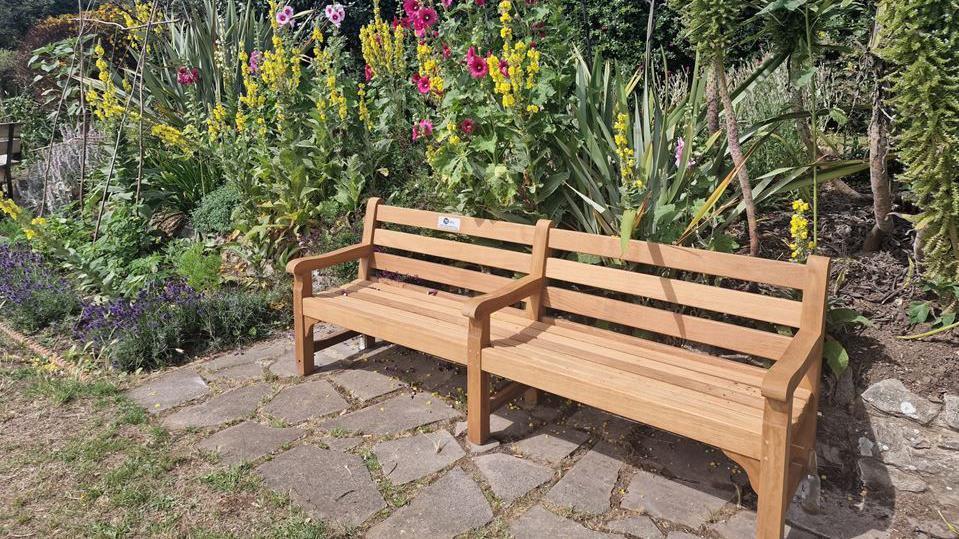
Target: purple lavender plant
point(32, 295)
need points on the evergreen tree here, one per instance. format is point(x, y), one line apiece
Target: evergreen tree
point(920, 41)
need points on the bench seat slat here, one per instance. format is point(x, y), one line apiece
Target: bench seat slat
point(710, 378)
point(756, 306)
point(723, 411)
point(587, 338)
point(455, 250)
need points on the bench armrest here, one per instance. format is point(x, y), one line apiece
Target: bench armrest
point(482, 306)
point(781, 380)
point(302, 266)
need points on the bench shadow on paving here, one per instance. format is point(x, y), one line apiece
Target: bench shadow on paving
point(374, 443)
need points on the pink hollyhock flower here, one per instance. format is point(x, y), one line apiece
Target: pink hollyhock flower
point(186, 76)
point(427, 16)
point(680, 146)
point(410, 7)
point(504, 68)
point(418, 27)
point(426, 127)
point(415, 78)
point(447, 3)
point(368, 72)
point(476, 64)
point(288, 9)
point(467, 126)
point(256, 58)
point(335, 13)
point(282, 18)
point(423, 85)
point(480, 3)
point(446, 51)
point(416, 132)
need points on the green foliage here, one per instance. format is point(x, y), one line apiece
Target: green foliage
point(711, 24)
point(201, 271)
point(234, 317)
point(214, 215)
point(938, 310)
point(922, 46)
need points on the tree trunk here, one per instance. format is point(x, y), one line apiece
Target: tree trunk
point(879, 175)
point(878, 152)
point(712, 104)
point(732, 137)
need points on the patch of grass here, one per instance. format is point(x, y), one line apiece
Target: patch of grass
point(64, 390)
point(93, 449)
point(299, 528)
point(232, 479)
point(339, 432)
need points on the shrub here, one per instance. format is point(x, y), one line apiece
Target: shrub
point(214, 215)
point(162, 324)
point(200, 271)
point(32, 296)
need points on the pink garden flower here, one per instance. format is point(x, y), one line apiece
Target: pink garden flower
point(368, 72)
point(282, 19)
point(504, 68)
point(446, 51)
point(335, 13)
point(423, 85)
point(480, 3)
point(186, 76)
point(427, 16)
point(410, 7)
point(423, 128)
point(476, 64)
point(447, 3)
point(256, 58)
point(680, 146)
point(467, 126)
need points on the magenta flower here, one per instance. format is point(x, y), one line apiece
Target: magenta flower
point(480, 3)
point(335, 13)
point(186, 76)
point(423, 85)
point(368, 72)
point(680, 146)
point(447, 3)
point(256, 58)
point(427, 16)
point(446, 51)
point(410, 7)
point(423, 128)
point(476, 64)
point(467, 126)
point(504, 68)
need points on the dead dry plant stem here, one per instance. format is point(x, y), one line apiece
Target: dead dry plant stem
point(138, 78)
point(736, 151)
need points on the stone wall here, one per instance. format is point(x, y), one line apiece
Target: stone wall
point(906, 450)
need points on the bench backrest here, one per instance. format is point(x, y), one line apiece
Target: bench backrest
point(10, 141)
point(507, 254)
point(658, 317)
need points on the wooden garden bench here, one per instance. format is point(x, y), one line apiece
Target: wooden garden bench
point(762, 418)
point(10, 154)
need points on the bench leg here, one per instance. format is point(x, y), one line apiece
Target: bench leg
point(304, 346)
point(368, 341)
point(774, 470)
point(477, 383)
point(532, 396)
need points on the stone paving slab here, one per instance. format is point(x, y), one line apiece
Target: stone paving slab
point(297, 403)
point(586, 487)
point(329, 485)
point(343, 444)
point(552, 444)
point(639, 527)
point(425, 372)
point(241, 373)
point(742, 525)
point(169, 390)
point(672, 500)
point(225, 407)
point(841, 517)
point(689, 460)
point(503, 424)
point(261, 352)
point(365, 385)
point(511, 477)
point(285, 366)
point(454, 504)
point(408, 459)
point(539, 522)
point(401, 413)
point(248, 441)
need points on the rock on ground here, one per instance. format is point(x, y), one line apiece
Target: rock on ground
point(539, 522)
point(300, 402)
point(586, 488)
point(511, 477)
point(225, 407)
point(169, 390)
point(248, 441)
point(408, 459)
